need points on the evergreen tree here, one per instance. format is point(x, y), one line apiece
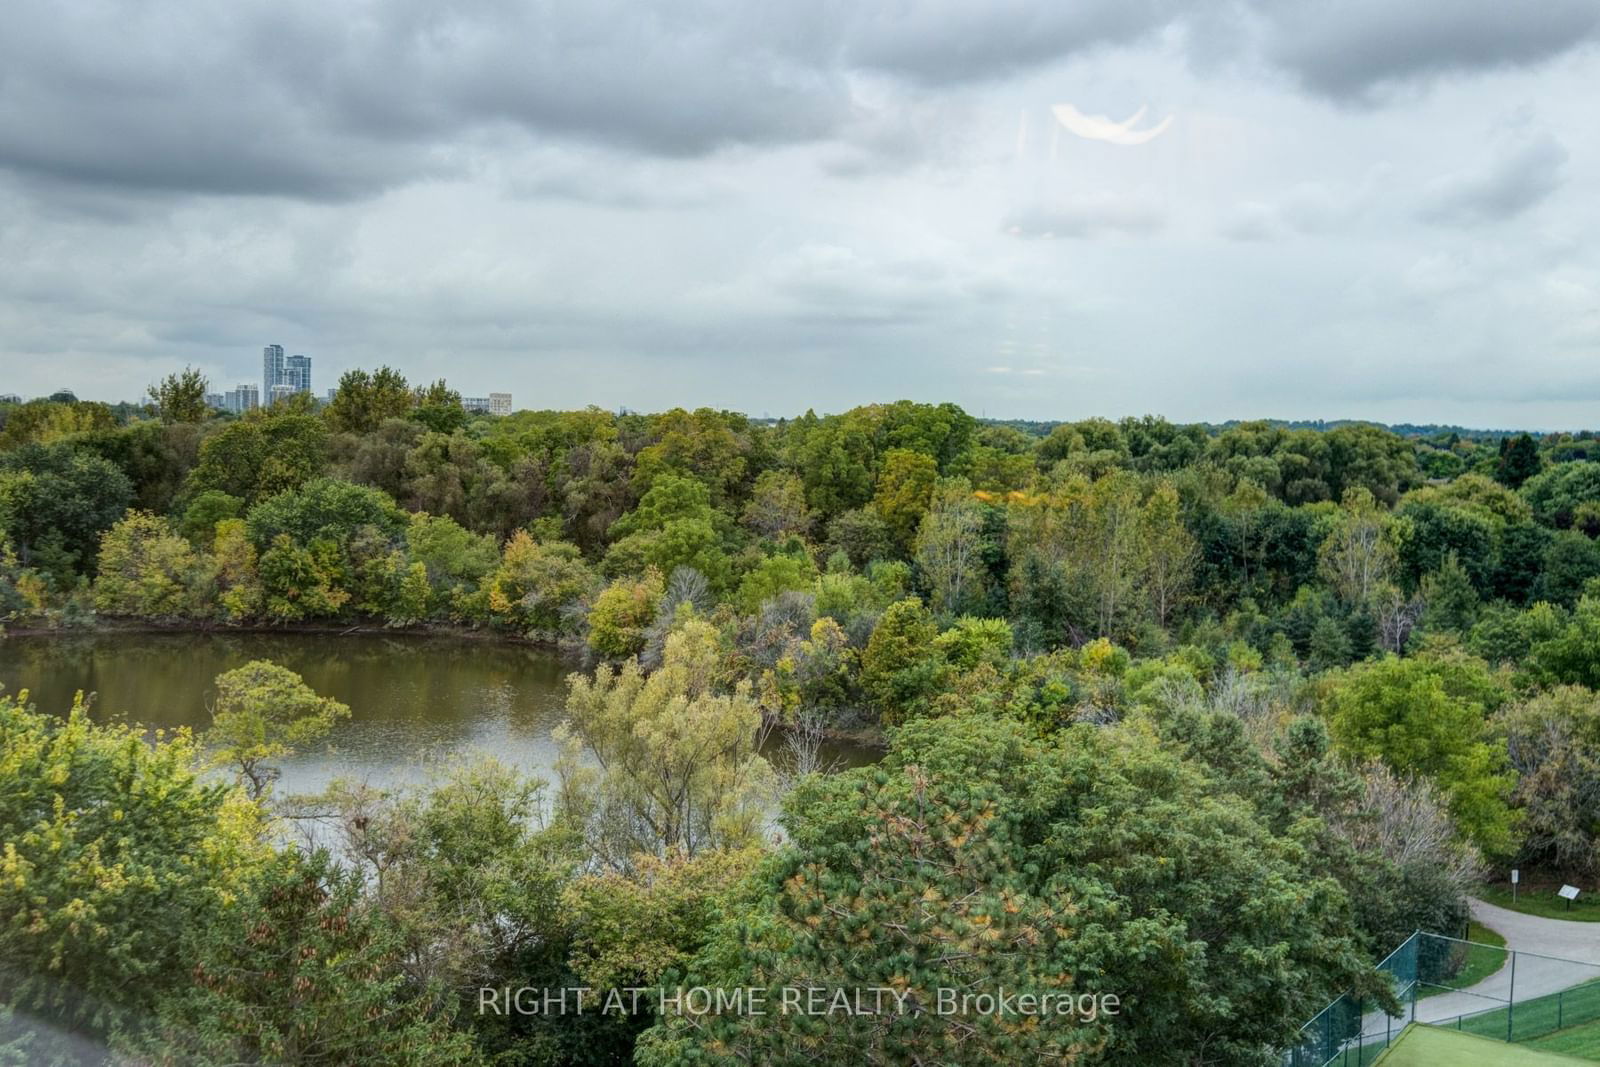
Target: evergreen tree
point(1519, 460)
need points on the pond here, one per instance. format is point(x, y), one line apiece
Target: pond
point(416, 701)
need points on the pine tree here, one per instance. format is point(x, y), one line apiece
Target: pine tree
point(1519, 460)
point(299, 971)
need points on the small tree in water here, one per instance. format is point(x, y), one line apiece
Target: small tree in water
point(263, 713)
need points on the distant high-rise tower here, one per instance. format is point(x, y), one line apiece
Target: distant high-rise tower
point(297, 373)
point(271, 368)
point(499, 403)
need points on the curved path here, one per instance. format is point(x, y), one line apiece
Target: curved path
point(1552, 955)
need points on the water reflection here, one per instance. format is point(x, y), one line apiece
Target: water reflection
point(415, 701)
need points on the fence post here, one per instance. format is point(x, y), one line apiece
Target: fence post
point(1511, 1001)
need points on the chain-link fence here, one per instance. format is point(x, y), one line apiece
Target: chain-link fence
point(1451, 982)
point(1350, 1031)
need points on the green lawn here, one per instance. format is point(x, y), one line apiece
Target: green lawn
point(1538, 1018)
point(1484, 957)
point(1583, 1041)
point(1427, 1046)
point(1543, 901)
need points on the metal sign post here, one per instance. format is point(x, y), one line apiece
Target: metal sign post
point(1570, 893)
point(1515, 875)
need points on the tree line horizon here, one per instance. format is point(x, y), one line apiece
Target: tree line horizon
point(151, 405)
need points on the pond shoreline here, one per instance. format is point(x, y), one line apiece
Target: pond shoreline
point(577, 657)
point(132, 625)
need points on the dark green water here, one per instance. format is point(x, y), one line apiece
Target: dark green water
point(415, 701)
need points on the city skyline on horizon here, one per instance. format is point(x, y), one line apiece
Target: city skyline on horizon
point(486, 401)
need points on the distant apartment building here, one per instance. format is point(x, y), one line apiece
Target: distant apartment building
point(331, 394)
point(493, 404)
point(277, 369)
point(280, 392)
point(10, 398)
point(245, 398)
point(216, 401)
point(297, 373)
point(271, 368)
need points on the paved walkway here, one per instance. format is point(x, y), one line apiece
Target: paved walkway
point(1553, 954)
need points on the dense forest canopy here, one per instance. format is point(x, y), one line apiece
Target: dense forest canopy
point(1135, 679)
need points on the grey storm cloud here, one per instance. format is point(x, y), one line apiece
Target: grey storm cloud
point(325, 101)
point(1360, 49)
point(320, 101)
point(1506, 187)
point(950, 41)
point(817, 202)
point(329, 101)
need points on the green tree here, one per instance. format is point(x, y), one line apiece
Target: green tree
point(239, 592)
point(862, 536)
point(1358, 556)
point(456, 559)
point(323, 509)
point(1087, 538)
point(263, 712)
point(1434, 530)
point(147, 570)
point(1553, 739)
point(1569, 653)
point(976, 856)
point(258, 456)
point(302, 583)
point(181, 397)
point(412, 601)
point(622, 613)
point(1570, 562)
point(905, 489)
point(469, 876)
point(834, 458)
point(1170, 551)
point(973, 641)
point(777, 506)
point(155, 457)
point(537, 585)
point(446, 474)
point(1428, 716)
point(631, 928)
point(299, 970)
point(363, 400)
point(1556, 494)
point(114, 846)
point(950, 549)
point(1452, 602)
point(677, 754)
point(708, 446)
point(781, 573)
point(902, 668)
point(438, 407)
point(43, 422)
point(1519, 460)
point(200, 518)
point(673, 526)
point(56, 501)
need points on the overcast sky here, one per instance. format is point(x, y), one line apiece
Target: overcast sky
point(1370, 209)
